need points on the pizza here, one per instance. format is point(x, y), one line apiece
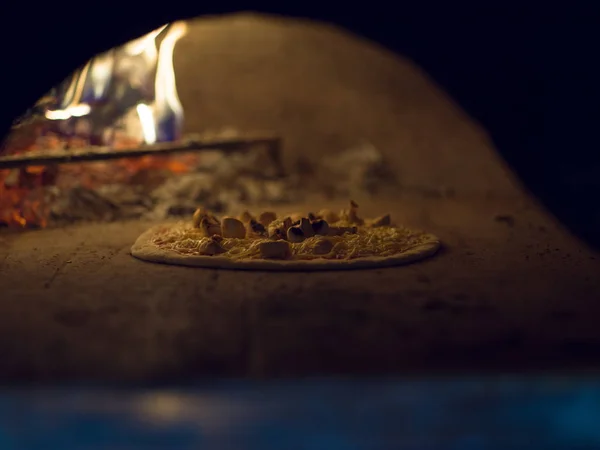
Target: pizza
point(314, 241)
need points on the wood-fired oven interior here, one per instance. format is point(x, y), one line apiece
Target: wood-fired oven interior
point(511, 287)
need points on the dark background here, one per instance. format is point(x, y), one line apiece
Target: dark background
point(526, 71)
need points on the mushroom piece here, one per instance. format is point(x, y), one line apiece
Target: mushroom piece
point(266, 218)
point(322, 247)
point(276, 234)
point(320, 226)
point(255, 228)
point(210, 226)
point(275, 249)
point(233, 228)
point(351, 215)
point(382, 221)
point(306, 227)
point(328, 215)
point(278, 228)
point(246, 217)
point(211, 247)
point(338, 231)
point(199, 214)
point(295, 234)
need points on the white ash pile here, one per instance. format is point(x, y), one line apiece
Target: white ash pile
point(229, 182)
point(359, 170)
point(222, 183)
point(219, 181)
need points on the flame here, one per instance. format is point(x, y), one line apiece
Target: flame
point(162, 119)
point(75, 90)
point(146, 116)
point(134, 62)
point(78, 110)
point(145, 45)
point(101, 74)
point(91, 82)
point(140, 59)
point(165, 88)
point(140, 64)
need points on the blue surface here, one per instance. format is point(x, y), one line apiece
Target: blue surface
point(457, 414)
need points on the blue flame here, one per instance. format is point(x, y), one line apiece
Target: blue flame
point(168, 127)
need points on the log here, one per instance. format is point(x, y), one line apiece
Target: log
point(98, 153)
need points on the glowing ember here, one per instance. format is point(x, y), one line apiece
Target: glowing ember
point(22, 199)
point(122, 98)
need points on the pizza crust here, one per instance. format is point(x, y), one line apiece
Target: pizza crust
point(146, 250)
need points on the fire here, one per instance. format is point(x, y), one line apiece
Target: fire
point(122, 98)
point(77, 110)
point(146, 115)
point(137, 76)
point(167, 105)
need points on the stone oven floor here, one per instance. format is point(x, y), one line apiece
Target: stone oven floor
point(512, 293)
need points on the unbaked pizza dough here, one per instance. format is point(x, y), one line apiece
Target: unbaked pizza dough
point(344, 246)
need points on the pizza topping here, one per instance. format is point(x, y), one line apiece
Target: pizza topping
point(256, 228)
point(306, 227)
point(207, 222)
point(277, 234)
point(310, 237)
point(197, 217)
point(266, 218)
point(278, 228)
point(322, 246)
point(382, 221)
point(210, 247)
point(351, 215)
point(320, 226)
point(275, 249)
point(233, 228)
point(295, 234)
point(200, 214)
point(339, 231)
point(210, 226)
point(342, 243)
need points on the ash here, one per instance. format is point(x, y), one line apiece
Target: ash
point(222, 183)
point(359, 170)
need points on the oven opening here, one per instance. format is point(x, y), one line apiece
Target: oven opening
point(108, 144)
point(146, 131)
point(260, 113)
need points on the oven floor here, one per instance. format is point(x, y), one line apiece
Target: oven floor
point(74, 304)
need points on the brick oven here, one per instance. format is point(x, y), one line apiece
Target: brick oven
point(248, 110)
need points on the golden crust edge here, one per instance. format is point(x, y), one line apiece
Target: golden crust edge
point(144, 250)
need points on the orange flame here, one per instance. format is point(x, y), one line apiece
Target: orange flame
point(143, 57)
point(22, 191)
point(166, 100)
